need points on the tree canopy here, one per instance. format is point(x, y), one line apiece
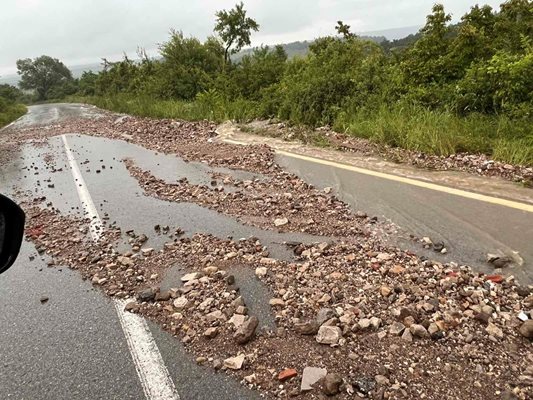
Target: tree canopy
point(234, 28)
point(42, 75)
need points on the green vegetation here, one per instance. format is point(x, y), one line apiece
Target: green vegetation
point(47, 76)
point(449, 88)
point(10, 107)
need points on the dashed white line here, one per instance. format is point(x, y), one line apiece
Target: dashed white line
point(153, 374)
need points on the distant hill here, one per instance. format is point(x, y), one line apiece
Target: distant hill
point(299, 49)
point(394, 33)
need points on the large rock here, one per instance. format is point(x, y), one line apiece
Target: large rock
point(237, 320)
point(419, 331)
point(526, 329)
point(307, 328)
point(329, 335)
point(310, 376)
point(325, 314)
point(146, 295)
point(246, 331)
point(332, 384)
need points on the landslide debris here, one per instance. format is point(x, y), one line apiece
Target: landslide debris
point(354, 317)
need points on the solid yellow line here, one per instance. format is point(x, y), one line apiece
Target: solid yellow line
point(414, 182)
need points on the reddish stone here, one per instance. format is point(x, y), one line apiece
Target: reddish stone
point(495, 278)
point(34, 232)
point(286, 374)
point(452, 274)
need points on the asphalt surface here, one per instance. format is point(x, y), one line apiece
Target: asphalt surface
point(470, 229)
point(73, 347)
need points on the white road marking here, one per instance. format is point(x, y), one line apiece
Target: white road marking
point(96, 225)
point(153, 374)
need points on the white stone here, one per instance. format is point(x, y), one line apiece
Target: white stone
point(310, 376)
point(281, 221)
point(181, 302)
point(234, 362)
point(190, 277)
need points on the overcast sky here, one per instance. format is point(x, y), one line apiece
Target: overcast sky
point(83, 31)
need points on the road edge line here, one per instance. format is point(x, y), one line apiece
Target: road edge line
point(402, 179)
point(155, 379)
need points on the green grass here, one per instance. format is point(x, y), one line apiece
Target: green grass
point(10, 113)
point(202, 109)
point(442, 132)
point(409, 127)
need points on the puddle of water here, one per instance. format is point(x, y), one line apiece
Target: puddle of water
point(118, 195)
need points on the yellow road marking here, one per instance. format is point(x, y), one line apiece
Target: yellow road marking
point(414, 182)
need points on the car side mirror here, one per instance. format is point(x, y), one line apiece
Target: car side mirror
point(11, 232)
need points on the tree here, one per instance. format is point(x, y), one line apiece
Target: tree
point(188, 66)
point(9, 93)
point(234, 28)
point(344, 30)
point(42, 74)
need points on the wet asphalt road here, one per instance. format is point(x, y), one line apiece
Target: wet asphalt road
point(73, 346)
point(470, 229)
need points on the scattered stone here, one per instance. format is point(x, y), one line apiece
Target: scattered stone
point(216, 315)
point(419, 331)
point(307, 328)
point(385, 291)
point(43, 299)
point(234, 362)
point(281, 221)
point(325, 314)
point(493, 330)
point(499, 260)
point(329, 335)
point(407, 336)
point(246, 331)
point(190, 277)
point(261, 272)
point(131, 306)
point(332, 384)
point(396, 328)
point(276, 302)
point(287, 374)
point(526, 329)
point(146, 295)
point(181, 302)
point(210, 333)
point(164, 295)
point(365, 385)
point(310, 376)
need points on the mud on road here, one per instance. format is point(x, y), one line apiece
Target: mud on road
point(312, 301)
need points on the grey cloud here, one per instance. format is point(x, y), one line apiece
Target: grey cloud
point(85, 30)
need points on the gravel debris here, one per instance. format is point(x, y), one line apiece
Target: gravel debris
point(353, 315)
